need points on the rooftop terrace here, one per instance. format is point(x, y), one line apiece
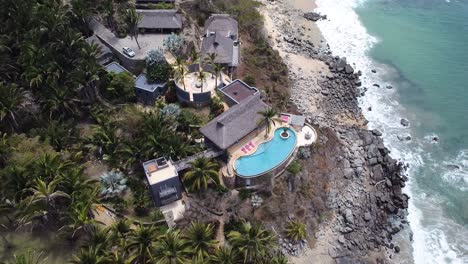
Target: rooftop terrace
point(159, 170)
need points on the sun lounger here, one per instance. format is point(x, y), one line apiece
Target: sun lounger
point(247, 147)
point(252, 144)
point(243, 150)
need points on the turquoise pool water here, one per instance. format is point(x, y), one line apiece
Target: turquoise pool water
point(267, 156)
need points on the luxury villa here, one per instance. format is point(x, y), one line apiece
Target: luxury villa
point(252, 154)
point(165, 188)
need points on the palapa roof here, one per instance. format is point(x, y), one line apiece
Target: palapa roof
point(221, 31)
point(160, 19)
point(234, 124)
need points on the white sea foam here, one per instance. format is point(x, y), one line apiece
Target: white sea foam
point(348, 37)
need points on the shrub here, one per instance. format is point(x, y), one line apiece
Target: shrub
point(157, 68)
point(244, 194)
point(121, 86)
point(250, 80)
point(119, 204)
point(155, 57)
point(160, 6)
point(121, 30)
point(186, 119)
point(216, 106)
point(294, 168)
point(156, 215)
point(159, 73)
point(174, 44)
point(303, 153)
point(171, 110)
point(112, 184)
point(296, 230)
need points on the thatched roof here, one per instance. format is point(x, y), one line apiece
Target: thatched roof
point(160, 19)
point(221, 33)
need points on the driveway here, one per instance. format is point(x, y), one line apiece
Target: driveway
point(147, 41)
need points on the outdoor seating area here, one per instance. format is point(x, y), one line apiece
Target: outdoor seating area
point(249, 147)
point(197, 88)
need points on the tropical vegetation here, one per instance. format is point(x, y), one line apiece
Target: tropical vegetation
point(269, 118)
point(72, 142)
point(296, 230)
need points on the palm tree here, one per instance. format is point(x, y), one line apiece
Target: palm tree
point(99, 238)
point(180, 70)
point(171, 249)
point(120, 229)
point(200, 239)
point(49, 166)
point(74, 182)
point(105, 136)
point(59, 101)
point(177, 147)
point(268, 117)
point(4, 149)
point(211, 57)
point(202, 173)
point(46, 194)
point(91, 255)
point(296, 230)
point(277, 258)
point(140, 243)
point(81, 10)
point(194, 56)
point(89, 79)
point(11, 99)
point(217, 69)
point(41, 205)
point(81, 220)
point(251, 241)
point(132, 17)
point(31, 257)
point(201, 76)
point(225, 255)
point(109, 10)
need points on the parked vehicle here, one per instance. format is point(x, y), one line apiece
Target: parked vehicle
point(129, 52)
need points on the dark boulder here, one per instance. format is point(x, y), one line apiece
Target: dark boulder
point(404, 122)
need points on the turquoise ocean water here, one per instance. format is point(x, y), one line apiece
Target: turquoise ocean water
point(420, 48)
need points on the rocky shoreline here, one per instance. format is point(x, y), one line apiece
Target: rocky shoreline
point(366, 191)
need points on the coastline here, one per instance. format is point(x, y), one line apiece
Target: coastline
point(326, 90)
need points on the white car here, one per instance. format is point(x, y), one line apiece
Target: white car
point(129, 52)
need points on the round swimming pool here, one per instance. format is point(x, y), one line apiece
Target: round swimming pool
point(268, 155)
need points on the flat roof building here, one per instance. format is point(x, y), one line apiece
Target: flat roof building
point(116, 68)
point(163, 179)
point(237, 91)
point(147, 93)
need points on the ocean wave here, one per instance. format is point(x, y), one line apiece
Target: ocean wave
point(347, 37)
